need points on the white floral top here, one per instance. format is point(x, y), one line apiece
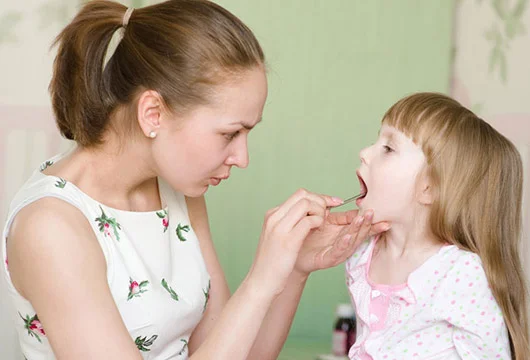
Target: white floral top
point(155, 269)
point(445, 311)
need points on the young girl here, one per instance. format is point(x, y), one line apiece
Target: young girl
point(445, 282)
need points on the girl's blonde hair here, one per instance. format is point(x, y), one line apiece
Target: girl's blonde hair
point(477, 178)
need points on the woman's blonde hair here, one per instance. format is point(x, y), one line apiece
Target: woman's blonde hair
point(477, 178)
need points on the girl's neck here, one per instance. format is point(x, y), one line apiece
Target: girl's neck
point(400, 251)
point(410, 237)
point(404, 243)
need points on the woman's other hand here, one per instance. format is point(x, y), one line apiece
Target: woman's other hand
point(336, 240)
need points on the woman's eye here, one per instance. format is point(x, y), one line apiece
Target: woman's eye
point(231, 136)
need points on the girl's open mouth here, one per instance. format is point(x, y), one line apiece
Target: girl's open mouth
point(364, 188)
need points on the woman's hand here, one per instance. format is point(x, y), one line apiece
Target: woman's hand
point(284, 230)
point(336, 240)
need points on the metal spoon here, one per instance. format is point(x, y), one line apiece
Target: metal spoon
point(349, 200)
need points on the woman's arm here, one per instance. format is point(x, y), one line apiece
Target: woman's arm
point(56, 263)
point(326, 247)
point(219, 291)
point(232, 335)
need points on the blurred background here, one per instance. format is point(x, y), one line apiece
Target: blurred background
point(335, 66)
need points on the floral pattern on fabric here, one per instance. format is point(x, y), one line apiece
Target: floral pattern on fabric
point(180, 230)
point(206, 296)
point(170, 290)
point(46, 165)
point(34, 327)
point(184, 347)
point(106, 224)
point(135, 289)
point(165, 220)
point(61, 183)
point(143, 344)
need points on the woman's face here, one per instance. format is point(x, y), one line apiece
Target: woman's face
point(199, 150)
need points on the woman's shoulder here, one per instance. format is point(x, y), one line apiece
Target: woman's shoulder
point(46, 222)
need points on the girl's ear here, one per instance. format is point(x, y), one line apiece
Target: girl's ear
point(426, 191)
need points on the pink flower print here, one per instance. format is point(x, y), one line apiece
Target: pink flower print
point(165, 220)
point(108, 225)
point(106, 230)
point(34, 327)
point(135, 289)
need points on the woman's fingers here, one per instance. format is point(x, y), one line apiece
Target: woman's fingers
point(301, 209)
point(347, 243)
point(323, 200)
point(357, 232)
point(304, 226)
point(343, 217)
point(379, 228)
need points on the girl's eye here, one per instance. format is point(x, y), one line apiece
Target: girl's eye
point(231, 136)
point(387, 149)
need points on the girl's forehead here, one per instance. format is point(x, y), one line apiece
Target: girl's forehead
point(391, 133)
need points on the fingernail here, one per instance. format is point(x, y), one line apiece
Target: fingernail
point(359, 220)
point(369, 215)
point(337, 200)
point(387, 227)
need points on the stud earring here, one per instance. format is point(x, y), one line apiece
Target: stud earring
point(152, 134)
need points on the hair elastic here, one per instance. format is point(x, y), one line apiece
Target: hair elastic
point(127, 16)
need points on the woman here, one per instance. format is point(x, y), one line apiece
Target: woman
point(116, 231)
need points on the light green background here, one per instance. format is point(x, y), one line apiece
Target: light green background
point(335, 66)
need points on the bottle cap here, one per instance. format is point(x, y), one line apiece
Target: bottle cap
point(345, 311)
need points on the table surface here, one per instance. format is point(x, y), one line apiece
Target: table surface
point(304, 349)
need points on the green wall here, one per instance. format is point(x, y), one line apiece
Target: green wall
point(335, 66)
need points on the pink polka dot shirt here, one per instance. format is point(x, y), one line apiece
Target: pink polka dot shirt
point(446, 310)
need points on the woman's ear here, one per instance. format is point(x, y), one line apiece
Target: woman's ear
point(149, 112)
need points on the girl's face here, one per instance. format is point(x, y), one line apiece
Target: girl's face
point(198, 151)
point(388, 176)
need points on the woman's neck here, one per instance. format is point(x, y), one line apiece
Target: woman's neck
point(122, 178)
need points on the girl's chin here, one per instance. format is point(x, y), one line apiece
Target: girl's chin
point(378, 217)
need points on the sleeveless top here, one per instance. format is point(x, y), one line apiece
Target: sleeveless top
point(155, 269)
